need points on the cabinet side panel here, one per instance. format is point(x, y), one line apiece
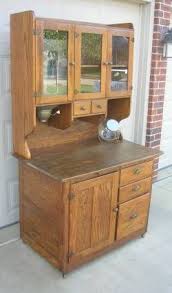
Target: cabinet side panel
point(43, 211)
point(22, 79)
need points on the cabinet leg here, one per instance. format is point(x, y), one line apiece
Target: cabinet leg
point(143, 235)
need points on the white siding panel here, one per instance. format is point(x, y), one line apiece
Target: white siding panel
point(166, 136)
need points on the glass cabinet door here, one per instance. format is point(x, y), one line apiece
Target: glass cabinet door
point(53, 58)
point(90, 57)
point(120, 55)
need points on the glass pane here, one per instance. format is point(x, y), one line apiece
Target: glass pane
point(91, 55)
point(55, 48)
point(119, 68)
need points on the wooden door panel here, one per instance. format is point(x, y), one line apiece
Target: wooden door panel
point(82, 91)
point(126, 34)
point(101, 213)
point(64, 77)
point(92, 219)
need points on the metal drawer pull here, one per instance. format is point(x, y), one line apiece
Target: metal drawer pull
point(82, 108)
point(133, 216)
point(136, 187)
point(137, 171)
point(99, 106)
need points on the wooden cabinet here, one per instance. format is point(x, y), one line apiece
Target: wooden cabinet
point(72, 219)
point(63, 62)
point(93, 215)
point(78, 197)
point(76, 62)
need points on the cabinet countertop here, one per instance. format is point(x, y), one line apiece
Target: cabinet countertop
point(82, 160)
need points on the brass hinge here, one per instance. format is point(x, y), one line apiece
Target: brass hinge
point(36, 33)
point(71, 195)
point(69, 255)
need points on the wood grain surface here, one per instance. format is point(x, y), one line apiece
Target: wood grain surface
point(78, 161)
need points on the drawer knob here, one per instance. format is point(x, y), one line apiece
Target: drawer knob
point(137, 171)
point(136, 187)
point(133, 216)
point(82, 108)
point(99, 106)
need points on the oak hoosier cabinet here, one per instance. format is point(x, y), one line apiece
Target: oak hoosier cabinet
point(78, 197)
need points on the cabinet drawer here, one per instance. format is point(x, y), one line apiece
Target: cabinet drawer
point(136, 172)
point(82, 108)
point(133, 216)
point(135, 189)
point(99, 106)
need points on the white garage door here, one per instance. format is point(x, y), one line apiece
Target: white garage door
point(166, 138)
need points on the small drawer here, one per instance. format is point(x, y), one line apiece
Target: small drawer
point(133, 216)
point(136, 172)
point(135, 189)
point(99, 106)
point(82, 108)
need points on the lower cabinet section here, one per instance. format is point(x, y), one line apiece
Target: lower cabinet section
point(133, 216)
point(71, 223)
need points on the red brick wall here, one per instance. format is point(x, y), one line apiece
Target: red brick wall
point(162, 17)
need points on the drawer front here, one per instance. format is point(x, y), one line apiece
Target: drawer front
point(135, 189)
point(133, 216)
point(136, 172)
point(82, 108)
point(99, 106)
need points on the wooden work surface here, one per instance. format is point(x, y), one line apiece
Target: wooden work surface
point(83, 160)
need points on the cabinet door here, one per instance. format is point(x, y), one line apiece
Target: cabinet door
point(120, 63)
point(92, 215)
point(90, 58)
point(54, 59)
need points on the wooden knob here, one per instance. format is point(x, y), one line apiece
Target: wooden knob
point(99, 106)
point(72, 63)
point(105, 63)
point(133, 216)
point(82, 108)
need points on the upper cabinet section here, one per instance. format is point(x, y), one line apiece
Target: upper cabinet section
point(90, 59)
point(120, 63)
point(76, 61)
point(54, 62)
